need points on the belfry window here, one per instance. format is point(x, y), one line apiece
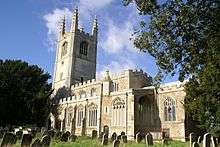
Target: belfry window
point(93, 115)
point(169, 110)
point(118, 112)
point(83, 48)
point(64, 49)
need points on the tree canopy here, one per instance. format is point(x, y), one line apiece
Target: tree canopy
point(184, 38)
point(24, 94)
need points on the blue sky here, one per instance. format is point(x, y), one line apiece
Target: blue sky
point(29, 32)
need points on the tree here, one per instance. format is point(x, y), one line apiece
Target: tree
point(24, 94)
point(183, 36)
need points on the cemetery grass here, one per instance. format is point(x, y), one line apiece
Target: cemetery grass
point(87, 142)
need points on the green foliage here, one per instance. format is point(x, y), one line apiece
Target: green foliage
point(24, 93)
point(184, 38)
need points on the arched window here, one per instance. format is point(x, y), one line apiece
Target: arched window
point(80, 115)
point(69, 115)
point(93, 92)
point(82, 94)
point(118, 112)
point(83, 48)
point(170, 109)
point(64, 49)
point(92, 114)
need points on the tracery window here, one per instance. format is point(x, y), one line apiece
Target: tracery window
point(118, 112)
point(92, 114)
point(64, 49)
point(69, 116)
point(170, 109)
point(83, 48)
point(80, 115)
point(93, 92)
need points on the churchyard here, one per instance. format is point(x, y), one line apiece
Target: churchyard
point(43, 138)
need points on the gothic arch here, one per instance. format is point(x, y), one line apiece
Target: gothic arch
point(92, 114)
point(170, 109)
point(118, 112)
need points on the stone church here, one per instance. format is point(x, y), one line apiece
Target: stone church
point(124, 102)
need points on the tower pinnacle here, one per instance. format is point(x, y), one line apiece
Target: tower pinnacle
point(95, 27)
point(74, 25)
point(62, 26)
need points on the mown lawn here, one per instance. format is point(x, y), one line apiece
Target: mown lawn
point(85, 142)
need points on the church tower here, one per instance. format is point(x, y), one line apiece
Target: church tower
point(75, 55)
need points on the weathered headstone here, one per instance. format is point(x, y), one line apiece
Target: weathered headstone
point(73, 138)
point(45, 142)
point(116, 143)
point(119, 137)
point(192, 138)
point(214, 141)
point(124, 139)
point(149, 139)
point(94, 134)
point(199, 140)
point(19, 135)
point(26, 140)
point(8, 140)
point(195, 144)
point(36, 143)
point(122, 133)
point(206, 140)
point(114, 137)
point(65, 137)
point(164, 141)
point(105, 139)
point(138, 137)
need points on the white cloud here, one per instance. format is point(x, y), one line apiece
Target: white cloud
point(117, 38)
point(52, 23)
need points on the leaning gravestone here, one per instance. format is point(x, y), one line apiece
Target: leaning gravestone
point(192, 138)
point(195, 144)
point(124, 139)
point(114, 137)
point(206, 140)
point(45, 142)
point(94, 134)
point(65, 137)
point(19, 135)
point(214, 141)
point(105, 139)
point(26, 140)
point(138, 137)
point(73, 138)
point(36, 143)
point(149, 139)
point(8, 140)
point(116, 143)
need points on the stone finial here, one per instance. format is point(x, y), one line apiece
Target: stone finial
point(95, 27)
point(107, 76)
point(62, 26)
point(74, 25)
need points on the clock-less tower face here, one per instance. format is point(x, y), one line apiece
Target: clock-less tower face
point(75, 56)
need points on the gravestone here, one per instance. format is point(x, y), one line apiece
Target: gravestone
point(199, 140)
point(124, 139)
point(116, 143)
point(195, 144)
point(8, 140)
point(164, 141)
point(45, 142)
point(138, 137)
point(101, 135)
point(122, 133)
point(26, 140)
point(214, 141)
point(119, 137)
point(105, 139)
point(192, 138)
point(114, 137)
point(65, 137)
point(206, 140)
point(94, 134)
point(149, 139)
point(19, 135)
point(36, 143)
point(73, 138)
